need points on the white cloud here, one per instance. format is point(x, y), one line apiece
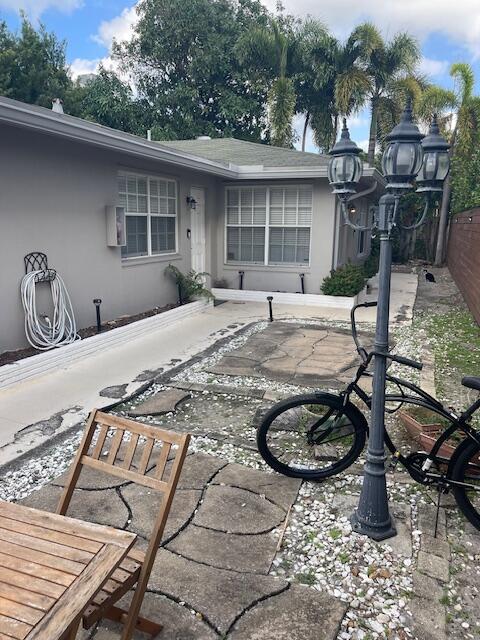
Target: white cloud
point(35, 8)
point(119, 28)
point(81, 66)
point(458, 20)
point(432, 67)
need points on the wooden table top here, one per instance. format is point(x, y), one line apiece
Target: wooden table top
point(51, 566)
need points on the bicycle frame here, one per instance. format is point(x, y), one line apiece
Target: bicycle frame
point(420, 399)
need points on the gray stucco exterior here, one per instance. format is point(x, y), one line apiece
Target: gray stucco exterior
point(53, 194)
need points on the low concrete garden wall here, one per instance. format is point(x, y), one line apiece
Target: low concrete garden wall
point(41, 363)
point(305, 299)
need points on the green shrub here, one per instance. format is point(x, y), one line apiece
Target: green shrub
point(190, 285)
point(347, 280)
point(370, 266)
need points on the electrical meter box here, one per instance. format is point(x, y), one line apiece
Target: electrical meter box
point(116, 235)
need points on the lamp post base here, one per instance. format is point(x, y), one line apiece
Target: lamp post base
point(380, 531)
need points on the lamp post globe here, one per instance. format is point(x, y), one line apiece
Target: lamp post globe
point(345, 165)
point(436, 161)
point(403, 155)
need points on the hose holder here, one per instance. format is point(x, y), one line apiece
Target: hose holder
point(37, 261)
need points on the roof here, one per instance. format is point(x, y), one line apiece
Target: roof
point(226, 157)
point(242, 153)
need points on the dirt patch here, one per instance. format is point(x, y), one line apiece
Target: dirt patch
point(7, 357)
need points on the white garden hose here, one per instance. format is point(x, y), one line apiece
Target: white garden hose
point(44, 333)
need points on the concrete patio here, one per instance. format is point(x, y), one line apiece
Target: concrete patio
point(33, 411)
point(210, 578)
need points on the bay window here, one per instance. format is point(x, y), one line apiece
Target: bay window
point(150, 214)
point(268, 225)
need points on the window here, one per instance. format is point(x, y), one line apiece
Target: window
point(150, 214)
point(269, 225)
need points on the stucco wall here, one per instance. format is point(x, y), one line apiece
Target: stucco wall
point(325, 254)
point(349, 238)
point(284, 277)
point(52, 199)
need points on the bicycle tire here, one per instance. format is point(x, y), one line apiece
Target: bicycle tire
point(463, 461)
point(357, 429)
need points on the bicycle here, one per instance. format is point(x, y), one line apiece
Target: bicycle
point(317, 435)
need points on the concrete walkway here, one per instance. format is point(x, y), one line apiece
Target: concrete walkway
point(31, 412)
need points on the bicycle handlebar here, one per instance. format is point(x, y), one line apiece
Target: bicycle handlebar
point(367, 356)
point(406, 361)
point(362, 352)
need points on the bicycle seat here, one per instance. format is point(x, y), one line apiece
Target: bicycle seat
point(472, 382)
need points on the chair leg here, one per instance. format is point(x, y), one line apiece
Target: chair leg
point(142, 624)
point(71, 632)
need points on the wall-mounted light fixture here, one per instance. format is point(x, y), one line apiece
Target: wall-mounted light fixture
point(192, 203)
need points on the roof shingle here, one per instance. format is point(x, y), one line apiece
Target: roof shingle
point(243, 153)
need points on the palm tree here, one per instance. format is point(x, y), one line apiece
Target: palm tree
point(331, 83)
point(387, 65)
point(268, 51)
point(463, 74)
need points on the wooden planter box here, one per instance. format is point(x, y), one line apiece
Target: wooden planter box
point(425, 434)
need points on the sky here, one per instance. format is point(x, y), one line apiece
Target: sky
point(448, 30)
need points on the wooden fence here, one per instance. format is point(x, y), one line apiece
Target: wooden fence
point(463, 257)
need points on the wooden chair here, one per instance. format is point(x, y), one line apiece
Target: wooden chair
point(101, 454)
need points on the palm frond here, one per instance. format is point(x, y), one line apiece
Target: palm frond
point(281, 104)
point(352, 88)
point(463, 73)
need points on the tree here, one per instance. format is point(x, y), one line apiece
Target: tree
point(386, 65)
point(331, 82)
point(466, 118)
point(32, 65)
point(267, 50)
point(181, 60)
point(107, 100)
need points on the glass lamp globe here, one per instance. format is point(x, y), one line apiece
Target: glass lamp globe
point(436, 161)
point(345, 166)
point(402, 158)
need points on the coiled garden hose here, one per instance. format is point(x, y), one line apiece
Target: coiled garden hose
point(44, 334)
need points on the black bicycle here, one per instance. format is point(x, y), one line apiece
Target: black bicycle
point(317, 435)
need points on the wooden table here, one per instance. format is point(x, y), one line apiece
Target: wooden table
point(51, 567)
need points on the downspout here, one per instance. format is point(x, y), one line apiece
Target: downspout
point(336, 234)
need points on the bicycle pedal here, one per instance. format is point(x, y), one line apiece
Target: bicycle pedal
point(393, 462)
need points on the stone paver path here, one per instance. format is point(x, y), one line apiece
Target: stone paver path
point(293, 353)
point(160, 403)
point(210, 579)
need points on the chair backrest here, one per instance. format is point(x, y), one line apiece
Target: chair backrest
point(109, 444)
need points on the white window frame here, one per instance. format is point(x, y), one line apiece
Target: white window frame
point(267, 226)
point(149, 215)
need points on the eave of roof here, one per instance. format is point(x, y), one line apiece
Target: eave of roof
point(45, 121)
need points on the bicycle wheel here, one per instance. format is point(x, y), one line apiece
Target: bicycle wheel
point(467, 472)
point(311, 436)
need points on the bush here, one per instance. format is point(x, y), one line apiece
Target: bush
point(347, 280)
point(370, 266)
point(190, 285)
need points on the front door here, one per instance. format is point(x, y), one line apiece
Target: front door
point(197, 230)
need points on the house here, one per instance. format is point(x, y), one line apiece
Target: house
point(215, 205)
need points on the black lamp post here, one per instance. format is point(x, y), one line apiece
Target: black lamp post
point(404, 158)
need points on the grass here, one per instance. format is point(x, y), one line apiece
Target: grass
point(455, 338)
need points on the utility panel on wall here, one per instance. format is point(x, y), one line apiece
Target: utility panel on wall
point(116, 236)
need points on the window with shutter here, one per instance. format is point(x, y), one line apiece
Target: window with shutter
point(150, 213)
point(279, 215)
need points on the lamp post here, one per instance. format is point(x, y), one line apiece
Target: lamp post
point(405, 157)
